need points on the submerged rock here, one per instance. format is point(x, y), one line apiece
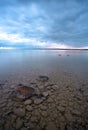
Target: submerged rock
point(38, 101)
point(29, 108)
point(28, 102)
point(51, 126)
point(19, 112)
point(19, 123)
point(23, 92)
point(45, 94)
point(42, 78)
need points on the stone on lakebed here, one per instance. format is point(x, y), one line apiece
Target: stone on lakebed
point(24, 92)
point(42, 78)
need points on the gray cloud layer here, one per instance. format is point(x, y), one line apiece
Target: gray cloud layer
point(54, 21)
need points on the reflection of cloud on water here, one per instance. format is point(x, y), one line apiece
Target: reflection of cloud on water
point(6, 48)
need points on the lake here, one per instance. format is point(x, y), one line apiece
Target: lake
point(17, 64)
point(58, 102)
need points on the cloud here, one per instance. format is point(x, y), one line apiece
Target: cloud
point(43, 22)
point(15, 39)
point(7, 48)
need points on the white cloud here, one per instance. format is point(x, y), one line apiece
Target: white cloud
point(59, 45)
point(85, 47)
point(17, 38)
point(6, 48)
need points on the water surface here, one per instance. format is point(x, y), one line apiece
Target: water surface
point(57, 64)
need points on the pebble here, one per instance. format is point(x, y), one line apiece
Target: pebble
point(42, 107)
point(61, 108)
point(23, 128)
point(50, 100)
point(28, 102)
point(38, 101)
point(45, 94)
point(19, 112)
point(34, 119)
point(51, 126)
point(76, 112)
point(44, 114)
point(19, 123)
point(43, 78)
point(7, 125)
point(29, 108)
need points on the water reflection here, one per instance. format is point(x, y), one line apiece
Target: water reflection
point(42, 61)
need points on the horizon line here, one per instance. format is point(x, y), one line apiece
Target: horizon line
point(38, 48)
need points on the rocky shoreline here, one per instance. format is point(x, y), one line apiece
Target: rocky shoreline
point(42, 105)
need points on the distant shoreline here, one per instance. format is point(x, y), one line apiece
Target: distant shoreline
point(49, 49)
point(41, 49)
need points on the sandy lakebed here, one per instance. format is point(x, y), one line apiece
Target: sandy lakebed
point(52, 107)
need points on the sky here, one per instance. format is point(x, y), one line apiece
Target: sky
point(44, 23)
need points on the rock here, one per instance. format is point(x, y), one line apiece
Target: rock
point(34, 119)
point(24, 128)
point(45, 94)
point(51, 126)
point(29, 108)
point(23, 92)
point(38, 101)
point(19, 123)
point(28, 102)
point(7, 125)
point(69, 127)
point(42, 124)
point(68, 55)
point(19, 112)
point(69, 116)
point(55, 87)
point(33, 126)
point(76, 112)
point(44, 114)
point(50, 100)
point(42, 107)
point(1, 128)
point(42, 78)
point(61, 109)
point(38, 127)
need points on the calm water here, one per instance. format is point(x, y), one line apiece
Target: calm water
point(19, 64)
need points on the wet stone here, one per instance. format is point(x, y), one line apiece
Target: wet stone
point(45, 94)
point(76, 112)
point(42, 78)
point(38, 101)
point(44, 114)
point(24, 92)
point(34, 119)
point(29, 108)
point(50, 100)
point(28, 102)
point(43, 108)
point(19, 123)
point(19, 112)
point(61, 108)
point(23, 128)
point(51, 126)
point(7, 125)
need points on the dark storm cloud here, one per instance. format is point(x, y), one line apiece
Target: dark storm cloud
point(53, 21)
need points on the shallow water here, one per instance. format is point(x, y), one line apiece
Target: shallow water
point(64, 101)
point(54, 63)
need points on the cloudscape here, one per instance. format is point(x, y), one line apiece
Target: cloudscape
point(44, 23)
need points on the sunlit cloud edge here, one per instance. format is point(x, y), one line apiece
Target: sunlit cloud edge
point(16, 39)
